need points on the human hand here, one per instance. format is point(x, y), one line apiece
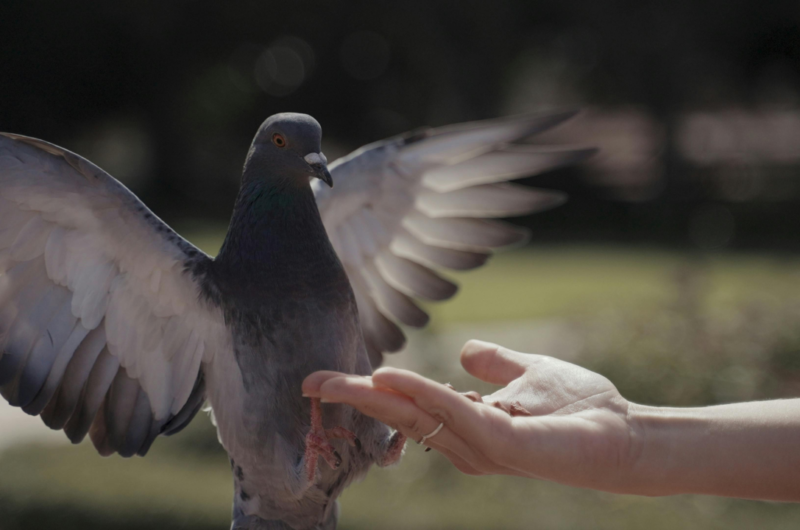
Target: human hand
point(579, 430)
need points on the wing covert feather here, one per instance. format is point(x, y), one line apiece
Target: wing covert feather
point(103, 325)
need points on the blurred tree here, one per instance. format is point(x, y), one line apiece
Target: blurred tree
point(188, 82)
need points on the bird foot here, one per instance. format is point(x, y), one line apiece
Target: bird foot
point(394, 449)
point(318, 442)
point(348, 436)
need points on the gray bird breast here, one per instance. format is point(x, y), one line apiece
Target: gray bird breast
point(285, 327)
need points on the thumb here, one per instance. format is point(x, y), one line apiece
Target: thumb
point(492, 363)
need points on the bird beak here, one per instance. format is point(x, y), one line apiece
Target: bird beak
point(323, 174)
point(319, 164)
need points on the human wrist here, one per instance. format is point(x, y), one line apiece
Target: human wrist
point(656, 434)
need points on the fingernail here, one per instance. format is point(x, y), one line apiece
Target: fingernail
point(305, 395)
point(324, 400)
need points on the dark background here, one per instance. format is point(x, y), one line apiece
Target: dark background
point(167, 95)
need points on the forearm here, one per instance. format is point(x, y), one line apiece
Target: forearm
point(747, 450)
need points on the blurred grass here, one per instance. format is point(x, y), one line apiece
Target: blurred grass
point(556, 281)
point(182, 483)
point(666, 327)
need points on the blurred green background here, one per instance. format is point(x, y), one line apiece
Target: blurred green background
point(673, 269)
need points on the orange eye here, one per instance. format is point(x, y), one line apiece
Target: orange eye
point(279, 140)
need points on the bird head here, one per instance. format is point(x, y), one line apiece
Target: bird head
point(288, 145)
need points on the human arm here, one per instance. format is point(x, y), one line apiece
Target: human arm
point(581, 431)
point(747, 450)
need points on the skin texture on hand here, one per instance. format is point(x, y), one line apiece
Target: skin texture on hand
point(580, 430)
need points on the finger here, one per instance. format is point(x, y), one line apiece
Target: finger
point(396, 410)
point(314, 381)
point(384, 404)
point(469, 394)
point(400, 412)
point(475, 423)
point(492, 363)
point(473, 396)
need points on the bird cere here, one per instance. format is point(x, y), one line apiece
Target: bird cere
point(117, 327)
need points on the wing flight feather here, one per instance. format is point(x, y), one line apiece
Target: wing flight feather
point(103, 329)
point(404, 207)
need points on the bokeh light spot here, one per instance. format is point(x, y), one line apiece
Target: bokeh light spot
point(284, 66)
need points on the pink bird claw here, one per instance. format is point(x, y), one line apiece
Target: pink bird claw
point(341, 432)
point(318, 444)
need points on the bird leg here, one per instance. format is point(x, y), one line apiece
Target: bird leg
point(341, 432)
point(318, 444)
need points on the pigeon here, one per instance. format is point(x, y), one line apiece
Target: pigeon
point(113, 325)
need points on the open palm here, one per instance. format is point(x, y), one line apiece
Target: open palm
point(551, 420)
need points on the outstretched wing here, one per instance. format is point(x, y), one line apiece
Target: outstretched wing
point(401, 208)
point(103, 328)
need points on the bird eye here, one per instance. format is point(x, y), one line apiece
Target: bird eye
point(279, 140)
